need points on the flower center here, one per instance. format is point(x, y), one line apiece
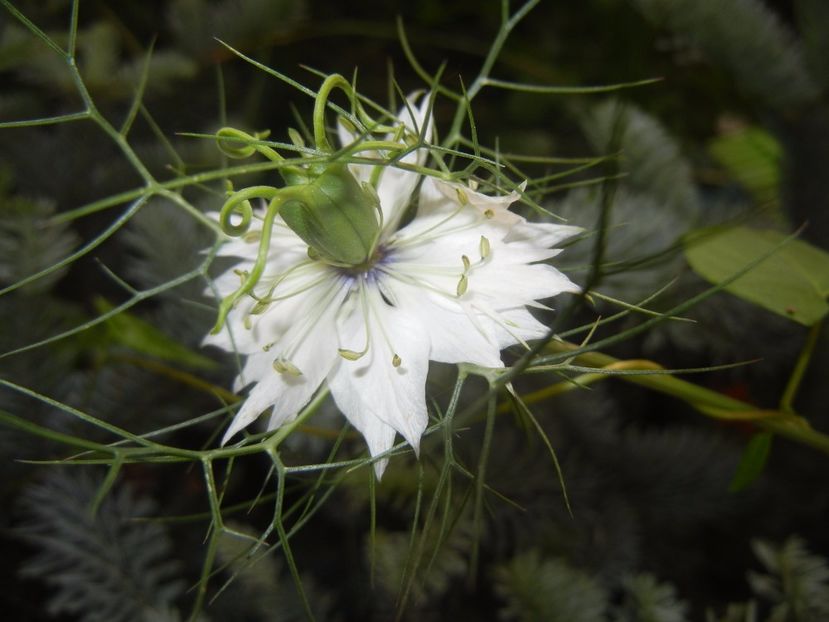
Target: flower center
point(379, 254)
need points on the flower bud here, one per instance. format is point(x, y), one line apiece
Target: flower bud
point(336, 217)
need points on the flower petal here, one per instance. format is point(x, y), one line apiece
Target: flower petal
point(372, 392)
point(308, 345)
point(454, 331)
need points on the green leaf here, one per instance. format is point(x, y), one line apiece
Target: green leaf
point(752, 156)
point(127, 330)
point(752, 462)
point(792, 282)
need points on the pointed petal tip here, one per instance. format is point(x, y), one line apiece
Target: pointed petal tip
point(230, 433)
point(380, 468)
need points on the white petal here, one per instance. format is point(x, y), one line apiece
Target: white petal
point(396, 185)
point(439, 195)
point(454, 331)
point(309, 344)
point(542, 234)
point(371, 392)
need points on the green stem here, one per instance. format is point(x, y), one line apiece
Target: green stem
point(708, 402)
point(331, 82)
point(277, 199)
point(786, 402)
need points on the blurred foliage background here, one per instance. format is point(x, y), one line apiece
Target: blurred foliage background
point(736, 131)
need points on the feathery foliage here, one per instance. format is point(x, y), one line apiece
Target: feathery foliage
point(102, 566)
point(746, 38)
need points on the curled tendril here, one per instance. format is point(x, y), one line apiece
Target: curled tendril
point(239, 145)
point(336, 81)
point(239, 203)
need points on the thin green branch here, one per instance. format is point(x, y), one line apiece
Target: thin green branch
point(566, 90)
point(139, 94)
point(33, 28)
point(62, 118)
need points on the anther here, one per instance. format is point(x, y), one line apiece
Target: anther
point(464, 200)
point(466, 263)
point(247, 323)
point(463, 284)
point(489, 213)
point(260, 307)
point(396, 361)
point(351, 355)
point(284, 366)
point(484, 247)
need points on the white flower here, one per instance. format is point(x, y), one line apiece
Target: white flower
point(453, 285)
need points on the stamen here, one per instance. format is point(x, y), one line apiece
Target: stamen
point(260, 307)
point(484, 247)
point(463, 199)
point(326, 301)
point(284, 366)
point(466, 263)
point(352, 355)
point(463, 284)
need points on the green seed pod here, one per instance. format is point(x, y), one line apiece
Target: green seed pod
point(336, 217)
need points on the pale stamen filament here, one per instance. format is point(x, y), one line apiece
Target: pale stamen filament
point(283, 361)
point(395, 359)
point(507, 326)
point(354, 355)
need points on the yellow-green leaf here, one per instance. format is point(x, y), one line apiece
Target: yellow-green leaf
point(792, 282)
point(129, 331)
point(752, 156)
point(752, 462)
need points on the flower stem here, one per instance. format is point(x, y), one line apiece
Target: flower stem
point(708, 402)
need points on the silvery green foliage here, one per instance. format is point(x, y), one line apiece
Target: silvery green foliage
point(744, 37)
point(796, 586)
point(101, 60)
point(197, 23)
point(27, 244)
point(796, 581)
point(260, 588)
point(166, 242)
point(647, 600)
point(446, 560)
point(655, 201)
point(650, 157)
point(103, 567)
point(548, 589)
point(641, 253)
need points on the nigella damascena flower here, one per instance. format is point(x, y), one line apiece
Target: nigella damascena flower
point(453, 285)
